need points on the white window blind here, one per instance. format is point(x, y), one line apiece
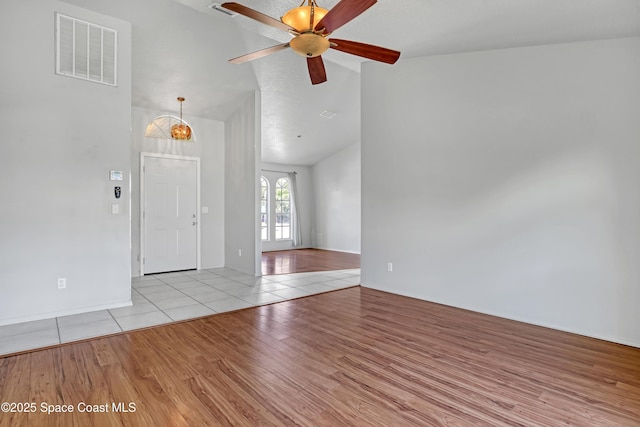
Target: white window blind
point(86, 51)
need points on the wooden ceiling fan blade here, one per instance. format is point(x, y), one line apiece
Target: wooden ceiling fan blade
point(259, 54)
point(364, 50)
point(258, 16)
point(316, 70)
point(342, 13)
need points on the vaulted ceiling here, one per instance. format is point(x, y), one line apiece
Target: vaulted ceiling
point(181, 48)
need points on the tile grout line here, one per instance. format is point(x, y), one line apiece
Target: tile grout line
point(220, 290)
point(191, 279)
point(116, 320)
point(58, 328)
point(150, 302)
point(199, 302)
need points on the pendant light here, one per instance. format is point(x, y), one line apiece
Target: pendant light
point(181, 131)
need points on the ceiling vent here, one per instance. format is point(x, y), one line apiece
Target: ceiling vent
point(219, 8)
point(328, 114)
point(85, 51)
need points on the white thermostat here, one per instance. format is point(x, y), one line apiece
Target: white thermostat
point(115, 175)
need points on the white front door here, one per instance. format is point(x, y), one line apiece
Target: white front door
point(169, 214)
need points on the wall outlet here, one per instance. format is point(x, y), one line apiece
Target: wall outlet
point(62, 282)
point(239, 252)
point(389, 266)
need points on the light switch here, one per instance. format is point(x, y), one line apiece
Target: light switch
point(205, 209)
point(115, 209)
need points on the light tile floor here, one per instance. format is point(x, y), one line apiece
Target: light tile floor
point(169, 297)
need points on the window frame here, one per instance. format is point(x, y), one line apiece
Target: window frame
point(265, 196)
point(279, 203)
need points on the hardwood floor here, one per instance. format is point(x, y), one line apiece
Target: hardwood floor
point(354, 357)
point(306, 260)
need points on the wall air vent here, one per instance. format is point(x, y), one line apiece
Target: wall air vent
point(86, 51)
point(219, 8)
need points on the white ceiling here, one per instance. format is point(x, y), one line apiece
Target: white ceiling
point(181, 48)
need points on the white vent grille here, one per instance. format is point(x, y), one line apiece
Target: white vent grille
point(86, 51)
point(328, 114)
point(219, 8)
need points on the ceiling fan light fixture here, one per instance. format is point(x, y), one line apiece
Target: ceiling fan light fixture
point(309, 45)
point(310, 26)
point(300, 17)
point(181, 131)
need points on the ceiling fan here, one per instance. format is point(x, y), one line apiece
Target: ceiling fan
point(310, 26)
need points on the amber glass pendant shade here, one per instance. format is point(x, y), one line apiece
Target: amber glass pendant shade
point(181, 131)
point(300, 17)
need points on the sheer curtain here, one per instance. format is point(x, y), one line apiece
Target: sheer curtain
point(296, 233)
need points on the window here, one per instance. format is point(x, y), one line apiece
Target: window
point(283, 209)
point(264, 208)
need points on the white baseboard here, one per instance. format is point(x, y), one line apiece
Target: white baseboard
point(338, 250)
point(614, 339)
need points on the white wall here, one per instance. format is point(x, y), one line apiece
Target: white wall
point(209, 147)
point(506, 182)
point(305, 203)
point(336, 181)
point(242, 185)
point(61, 137)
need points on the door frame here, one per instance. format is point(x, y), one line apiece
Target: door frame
point(143, 156)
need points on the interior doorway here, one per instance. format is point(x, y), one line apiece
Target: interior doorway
point(170, 220)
